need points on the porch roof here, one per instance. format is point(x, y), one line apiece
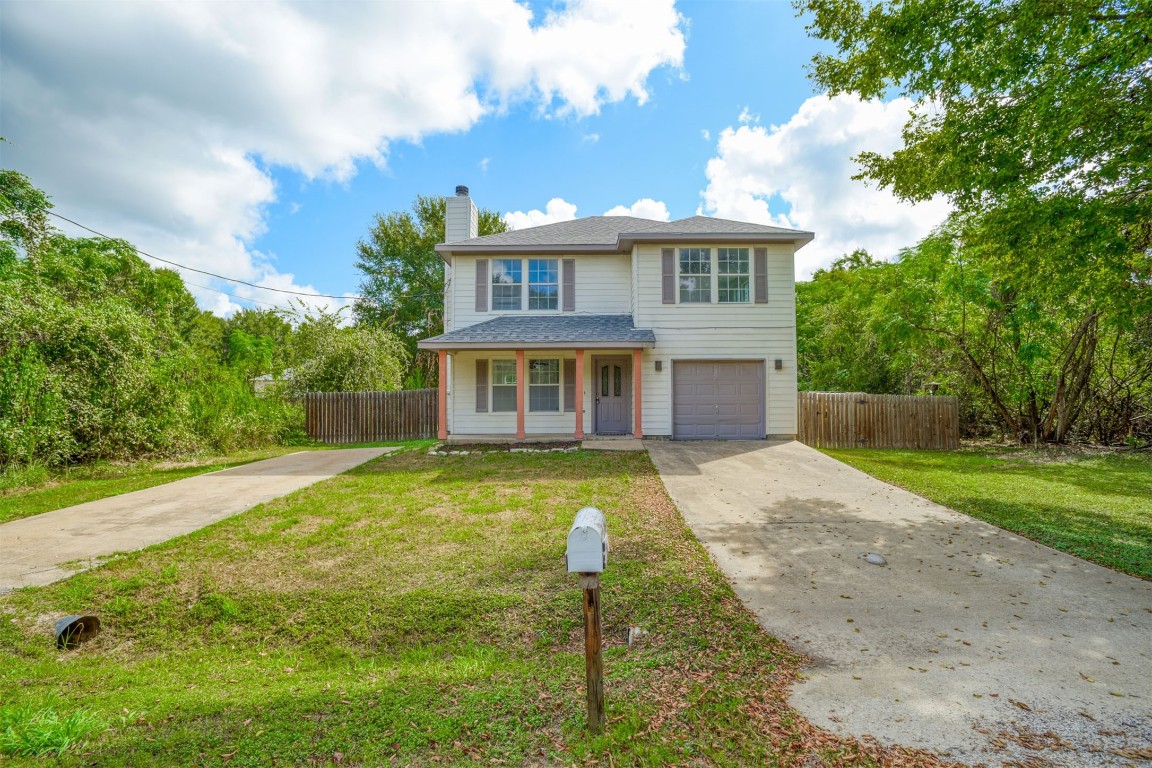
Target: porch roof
point(547, 332)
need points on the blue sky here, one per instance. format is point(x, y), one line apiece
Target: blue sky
point(258, 140)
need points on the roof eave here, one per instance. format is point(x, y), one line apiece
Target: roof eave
point(626, 240)
point(447, 250)
point(798, 237)
point(510, 345)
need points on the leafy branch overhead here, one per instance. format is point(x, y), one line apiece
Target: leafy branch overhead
point(403, 281)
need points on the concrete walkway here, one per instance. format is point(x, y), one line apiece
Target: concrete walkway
point(968, 640)
point(34, 550)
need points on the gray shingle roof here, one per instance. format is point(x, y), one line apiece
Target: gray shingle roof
point(610, 230)
point(510, 331)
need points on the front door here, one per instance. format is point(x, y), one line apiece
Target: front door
point(612, 396)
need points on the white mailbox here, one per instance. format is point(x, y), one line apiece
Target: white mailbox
point(587, 542)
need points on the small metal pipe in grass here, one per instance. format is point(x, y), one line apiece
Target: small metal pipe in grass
point(587, 555)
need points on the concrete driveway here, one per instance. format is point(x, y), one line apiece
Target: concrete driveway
point(45, 548)
point(969, 642)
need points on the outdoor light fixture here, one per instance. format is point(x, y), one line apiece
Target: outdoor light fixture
point(779, 364)
point(659, 365)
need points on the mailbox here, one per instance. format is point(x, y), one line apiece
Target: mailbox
point(587, 542)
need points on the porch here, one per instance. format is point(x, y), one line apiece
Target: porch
point(541, 378)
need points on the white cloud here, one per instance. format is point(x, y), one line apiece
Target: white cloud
point(706, 134)
point(158, 122)
point(483, 165)
point(558, 209)
point(591, 137)
point(747, 118)
point(800, 175)
point(644, 208)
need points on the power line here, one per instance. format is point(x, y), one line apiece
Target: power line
point(212, 274)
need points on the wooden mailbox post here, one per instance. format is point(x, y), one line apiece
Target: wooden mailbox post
point(587, 555)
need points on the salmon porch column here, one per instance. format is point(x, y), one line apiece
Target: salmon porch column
point(442, 395)
point(637, 354)
point(520, 387)
point(579, 394)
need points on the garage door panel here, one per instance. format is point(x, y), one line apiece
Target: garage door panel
point(718, 400)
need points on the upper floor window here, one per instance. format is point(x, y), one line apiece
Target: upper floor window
point(732, 275)
point(508, 284)
point(543, 283)
point(695, 275)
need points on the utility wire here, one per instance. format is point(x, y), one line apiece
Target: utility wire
point(212, 274)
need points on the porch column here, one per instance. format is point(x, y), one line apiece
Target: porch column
point(521, 385)
point(442, 395)
point(579, 394)
point(637, 392)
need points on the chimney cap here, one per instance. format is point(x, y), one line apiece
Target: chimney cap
point(461, 190)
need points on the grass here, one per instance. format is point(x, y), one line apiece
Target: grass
point(416, 611)
point(29, 732)
point(1094, 505)
point(32, 490)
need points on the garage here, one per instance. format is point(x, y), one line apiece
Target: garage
point(718, 400)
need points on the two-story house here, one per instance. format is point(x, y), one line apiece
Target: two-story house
point(614, 325)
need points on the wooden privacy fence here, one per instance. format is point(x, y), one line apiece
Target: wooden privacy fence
point(339, 418)
point(857, 420)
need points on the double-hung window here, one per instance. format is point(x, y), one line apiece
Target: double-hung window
point(543, 385)
point(543, 283)
point(732, 276)
point(507, 284)
point(503, 386)
point(695, 275)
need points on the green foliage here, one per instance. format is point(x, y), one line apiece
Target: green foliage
point(103, 357)
point(1029, 97)
point(1032, 118)
point(403, 281)
point(1021, 350)
point(23, 217)
point(330, 357)
point(844, 341)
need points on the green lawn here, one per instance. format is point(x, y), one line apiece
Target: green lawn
point(31, 492)
point(413, 611)
point(1095, 505)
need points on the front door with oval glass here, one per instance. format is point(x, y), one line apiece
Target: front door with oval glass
point(613, 396)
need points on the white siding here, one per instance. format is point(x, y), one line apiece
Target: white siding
point(602, 288)
point(719, 332)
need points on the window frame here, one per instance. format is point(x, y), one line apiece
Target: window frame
point(526, 284)
point(494, 283)
point(681, 275)
point(715, 276)
point(554, 270)
point(493, 386)
point(746, 275)
point(557, 386)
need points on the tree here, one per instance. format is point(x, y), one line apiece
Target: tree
point(1016, 98)
point(403, 281)
point(843, 343)
point(1032, 118)
point(329, 357)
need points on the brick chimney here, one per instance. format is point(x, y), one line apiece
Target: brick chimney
point(460, 222)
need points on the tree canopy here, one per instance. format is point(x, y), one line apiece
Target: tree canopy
point(1034, 118)
point(403, 281)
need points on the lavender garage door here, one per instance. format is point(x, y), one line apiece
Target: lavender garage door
point(718, 400)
